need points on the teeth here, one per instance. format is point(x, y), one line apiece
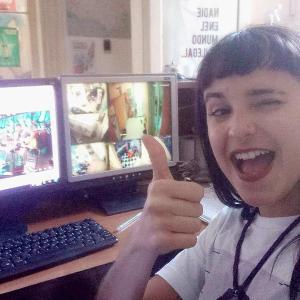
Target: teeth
point(250, 154)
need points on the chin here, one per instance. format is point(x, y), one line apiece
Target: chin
point(253, 203)
point(257, 199)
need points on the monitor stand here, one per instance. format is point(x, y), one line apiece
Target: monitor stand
point(114, 204)
point(119, 199)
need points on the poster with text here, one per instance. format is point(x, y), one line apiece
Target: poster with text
point(9, 47)
point(191, 27)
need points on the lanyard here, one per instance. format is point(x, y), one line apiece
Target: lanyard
point(238, 292)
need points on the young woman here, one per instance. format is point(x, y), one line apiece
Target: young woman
point(249, 120)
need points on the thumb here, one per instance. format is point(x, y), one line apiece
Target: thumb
point(158, 158)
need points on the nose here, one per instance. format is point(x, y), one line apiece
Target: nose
point(241, 125)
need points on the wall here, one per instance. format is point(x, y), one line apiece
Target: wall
point(118, 60)
point(146, 36)
point(56, 24)
point(51, 36)
point(190, 28)
point(105, 19)
point(259, 12)
point(94, 18)
point(136, 46)
point(251, 12)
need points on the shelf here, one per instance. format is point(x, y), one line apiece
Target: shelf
point(186, 84)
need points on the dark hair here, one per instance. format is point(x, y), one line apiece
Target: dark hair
point(240, 53)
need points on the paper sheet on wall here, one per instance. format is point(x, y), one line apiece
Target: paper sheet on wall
point(83, 55)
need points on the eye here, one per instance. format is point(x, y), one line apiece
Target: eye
point(219, 112)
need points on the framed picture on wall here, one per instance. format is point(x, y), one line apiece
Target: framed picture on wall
point(191, 27)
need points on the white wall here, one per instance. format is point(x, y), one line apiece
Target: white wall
point(187, 34)
point(52, 24)
point(118, 60)
point(99, 20)
point(141, 51)
point(52, 21)
point(250, 12)
point(137, 44)
point(146, 36)
point(259, 12)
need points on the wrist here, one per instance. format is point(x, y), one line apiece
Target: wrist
point(138, 246)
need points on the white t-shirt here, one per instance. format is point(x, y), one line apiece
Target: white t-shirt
point(205, 271)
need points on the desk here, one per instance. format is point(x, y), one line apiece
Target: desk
point(77, 273)
point(96, 259)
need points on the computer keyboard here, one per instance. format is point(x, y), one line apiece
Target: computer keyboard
point(30, 252)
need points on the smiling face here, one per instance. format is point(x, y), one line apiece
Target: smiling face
point(254, 130)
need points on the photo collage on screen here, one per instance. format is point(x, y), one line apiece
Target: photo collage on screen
point(25, 143)
point(108, 120)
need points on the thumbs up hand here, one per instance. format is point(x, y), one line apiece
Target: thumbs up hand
point(170, 219)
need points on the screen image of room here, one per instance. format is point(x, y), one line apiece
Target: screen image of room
point(25, 143)
point(108, 120)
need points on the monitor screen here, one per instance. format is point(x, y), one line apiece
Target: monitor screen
point(106, 117)
point(29, 154)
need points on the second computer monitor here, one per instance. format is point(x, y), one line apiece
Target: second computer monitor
point(29, 150)
point(106, 118)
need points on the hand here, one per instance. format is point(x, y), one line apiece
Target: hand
point(170, 219)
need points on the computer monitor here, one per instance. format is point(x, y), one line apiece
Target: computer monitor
point(29, 148)
point(105, 118)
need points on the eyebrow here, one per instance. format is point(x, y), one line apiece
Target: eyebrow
point(250, 93)
point(261, 92)
point(211, 95)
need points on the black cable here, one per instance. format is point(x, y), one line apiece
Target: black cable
point(238, 291)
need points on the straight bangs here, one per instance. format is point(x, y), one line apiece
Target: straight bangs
point(255, 48)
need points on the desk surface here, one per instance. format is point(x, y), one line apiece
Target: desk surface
point(93, 260)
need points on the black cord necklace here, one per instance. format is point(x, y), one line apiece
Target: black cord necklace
point(238, 292)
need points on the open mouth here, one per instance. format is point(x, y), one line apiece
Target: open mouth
point(253, 165)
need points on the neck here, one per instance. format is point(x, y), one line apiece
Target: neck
point(286, 205)
point(280, 210)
